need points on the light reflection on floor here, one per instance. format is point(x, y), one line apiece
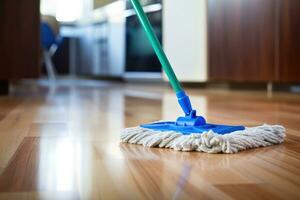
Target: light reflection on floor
point(76, 127)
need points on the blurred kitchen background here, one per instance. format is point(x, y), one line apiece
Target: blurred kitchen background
point(235, 42)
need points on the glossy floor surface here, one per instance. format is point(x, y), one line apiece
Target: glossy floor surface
point(63, 143)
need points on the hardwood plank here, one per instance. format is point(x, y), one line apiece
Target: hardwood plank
point(25, 172)
point(13, 128)
point(7, 105)
point(137, 113)
point(48, 130)
point(247, 191)
point(278, 181)
point(20, 174)
point(59, 195)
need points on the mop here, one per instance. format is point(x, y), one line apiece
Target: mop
point(192, 132)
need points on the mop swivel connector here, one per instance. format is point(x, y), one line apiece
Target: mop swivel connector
point(191, 120)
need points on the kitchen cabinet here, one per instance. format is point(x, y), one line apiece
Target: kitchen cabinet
point(85, 55)
point(289, 45)
point(241, 40)
point(101, 43)
point(19, 39)
point(254, 40)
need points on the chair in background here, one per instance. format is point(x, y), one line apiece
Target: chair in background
point(50, 41)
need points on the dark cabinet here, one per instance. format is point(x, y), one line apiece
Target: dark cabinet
point(289, 43)
point(19, 39)
point(254, 40)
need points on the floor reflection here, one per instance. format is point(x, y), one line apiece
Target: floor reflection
point(57, 165)
point(141, 110)
point(183, 179)
point(64, 144)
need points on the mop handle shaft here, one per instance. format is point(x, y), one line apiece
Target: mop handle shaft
point(156, 46)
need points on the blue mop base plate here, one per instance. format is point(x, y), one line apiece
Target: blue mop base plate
point(188, 129)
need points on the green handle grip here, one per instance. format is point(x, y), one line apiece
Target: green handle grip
point(156, 46)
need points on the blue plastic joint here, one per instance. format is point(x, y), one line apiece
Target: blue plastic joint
point(184, 102)
point(190, 119)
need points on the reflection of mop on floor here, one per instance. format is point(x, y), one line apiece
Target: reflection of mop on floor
point(182, 180)
point(192, 132)
point(199, 161)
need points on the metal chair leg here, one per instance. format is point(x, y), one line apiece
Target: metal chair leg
point(49, 67)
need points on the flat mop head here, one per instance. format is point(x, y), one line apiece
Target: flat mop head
point(192, 133)
point(207, 141)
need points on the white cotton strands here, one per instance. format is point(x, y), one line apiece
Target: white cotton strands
point(209, 142)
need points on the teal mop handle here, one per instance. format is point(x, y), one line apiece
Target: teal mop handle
point(183, 99)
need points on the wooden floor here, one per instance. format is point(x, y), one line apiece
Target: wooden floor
point(63, 143)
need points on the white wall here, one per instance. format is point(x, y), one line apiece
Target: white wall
point(63, 10)
point(185, 38)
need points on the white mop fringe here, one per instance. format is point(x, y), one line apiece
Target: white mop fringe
point(209, 142)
